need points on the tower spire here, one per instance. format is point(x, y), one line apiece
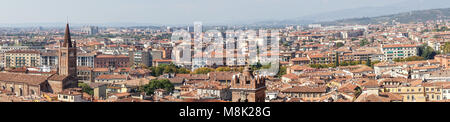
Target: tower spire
point(67, 39)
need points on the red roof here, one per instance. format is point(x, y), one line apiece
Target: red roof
point(399, 45)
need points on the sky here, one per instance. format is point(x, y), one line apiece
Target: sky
point(169, 11)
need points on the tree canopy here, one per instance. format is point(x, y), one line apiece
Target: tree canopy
point(157, 84)
point(203, 70)
point(86, 88)
point(427, 52)
point(167, 68)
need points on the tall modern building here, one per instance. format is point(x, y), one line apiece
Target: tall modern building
point(90, 30)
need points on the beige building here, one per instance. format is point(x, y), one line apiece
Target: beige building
point(410, 94)
point(444, 60)
point(22, 58)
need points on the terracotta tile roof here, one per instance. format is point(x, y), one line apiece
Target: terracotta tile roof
point(202, 100)
point(392, 97)
point(300, 59)
point(346, 88)
point(112, 56)
point(222, 75)
point(101, 69)
point(317, 56)
point(371, 98)
point(291, 76)
point(399, 45)
point(176, 80)
point(362, 69)
point(162, 60)
point(137, 82)
point(425, 67)
point(122, 69)
point(85, 68)
point(57, 77)
point(140, 71)
point(50, 54)
point(371, 84)
point(23, 78)
point(306, 89)
point(24, 51)
point(111, 77)
point(297, 67)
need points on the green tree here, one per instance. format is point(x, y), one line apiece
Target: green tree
point(339, 44)
point(283, 71)
point(427, 52)
point(203, 70)
point(369, 62)
point(256, 66)
point(337, 60)
point(224, 69)
point(86, 88)
point(363, 42)
point(167, 68)
point(446, 47)
point(157, 84)
point(183, 71)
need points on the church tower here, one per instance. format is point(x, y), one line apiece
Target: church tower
point(247, 87)
point(68, 56)
point(66, 77)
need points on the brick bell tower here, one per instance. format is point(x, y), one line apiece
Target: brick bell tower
point(247, 87)
point(68, 57)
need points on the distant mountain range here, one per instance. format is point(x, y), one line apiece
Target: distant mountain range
point(363, 12)
point(406, 17)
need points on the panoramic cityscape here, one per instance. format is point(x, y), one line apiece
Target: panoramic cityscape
point(341, 53)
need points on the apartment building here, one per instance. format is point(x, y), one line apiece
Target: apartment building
point(21, 58)
point(394, 51)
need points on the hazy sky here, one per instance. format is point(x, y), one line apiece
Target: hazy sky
point(169, 11)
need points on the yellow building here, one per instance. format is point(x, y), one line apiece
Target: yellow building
point(425, 93)
point(410, 94)
point(22, 58)
point(433, 93)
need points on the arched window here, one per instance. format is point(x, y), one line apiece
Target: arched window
point(33, 93)
point(20, 92)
